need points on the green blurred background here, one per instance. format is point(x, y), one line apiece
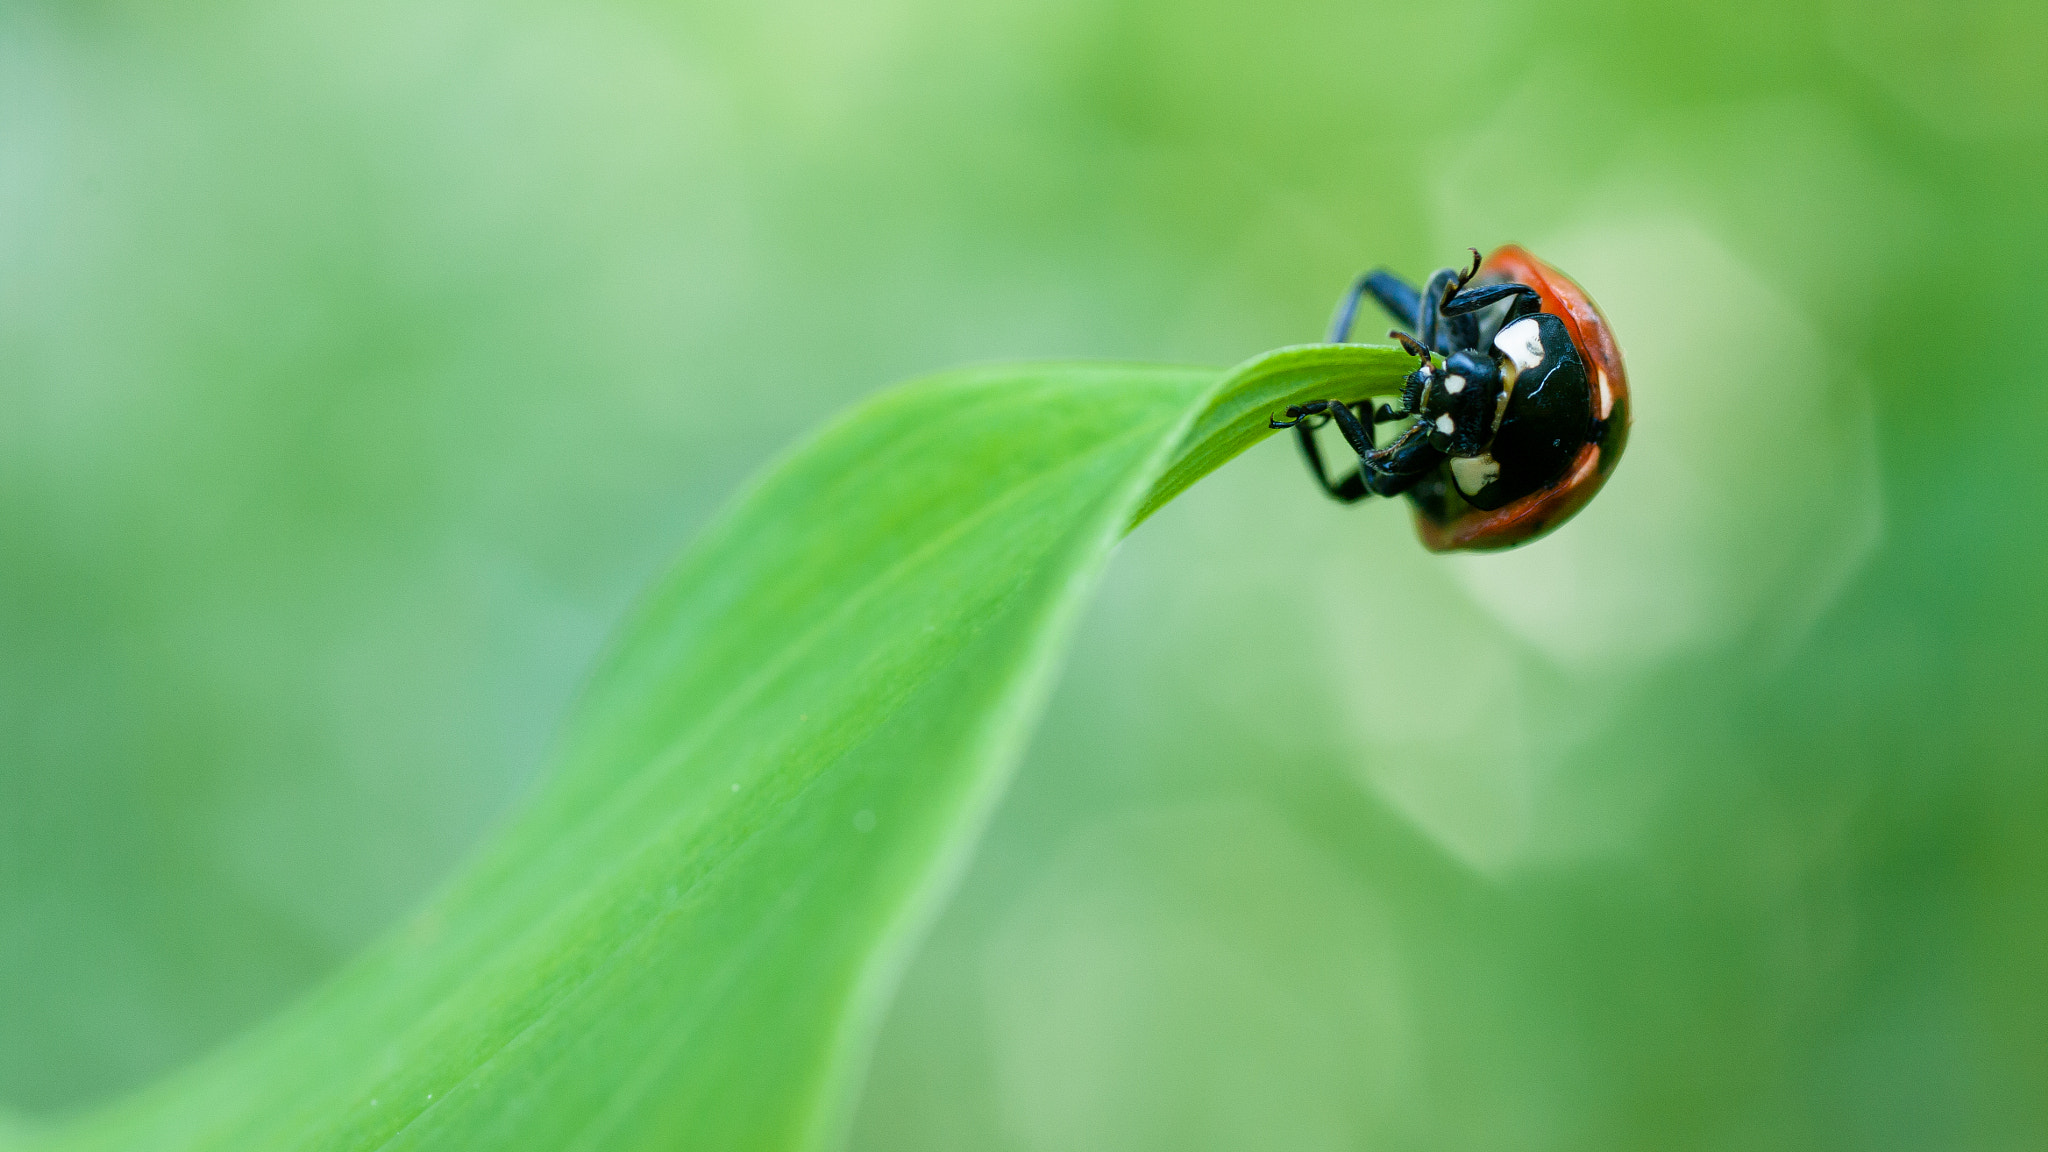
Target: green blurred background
point(360, 362)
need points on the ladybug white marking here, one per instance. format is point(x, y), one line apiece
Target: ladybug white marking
point(1522, 342)
point(1454, 384)
point(1446, 425)
point(1474, 472)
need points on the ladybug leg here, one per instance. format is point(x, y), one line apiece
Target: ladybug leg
point(1381, 472)
point(1526, 302)
point(1351, 489)
point(1399, 466)
point(1357, 433)
point(1441, 329)
point(1389, 291)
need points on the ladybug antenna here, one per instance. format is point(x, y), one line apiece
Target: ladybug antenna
point(1466, 277)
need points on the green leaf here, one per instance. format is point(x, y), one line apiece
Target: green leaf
point(688, 937)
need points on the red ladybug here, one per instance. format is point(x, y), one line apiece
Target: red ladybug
point(1516, 428)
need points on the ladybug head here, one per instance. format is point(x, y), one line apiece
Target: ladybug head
point(1459, 401)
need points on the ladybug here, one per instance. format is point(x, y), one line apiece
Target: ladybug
point(1514, 430)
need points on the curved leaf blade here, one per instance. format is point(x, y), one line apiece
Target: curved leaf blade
point(688, 937)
